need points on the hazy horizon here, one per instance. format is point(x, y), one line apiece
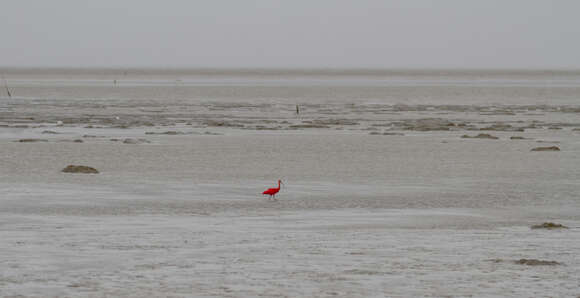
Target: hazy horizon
point(281, 68)
point(260, 34)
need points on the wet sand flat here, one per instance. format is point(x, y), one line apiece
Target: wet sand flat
point(382, 195)
point(322, 253)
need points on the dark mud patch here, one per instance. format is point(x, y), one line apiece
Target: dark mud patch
point(528, 262)
point(568, 109)
point(549, 142)
point(169, 133)
point(80, 169)
point(536, 262)
point(122, 126)
point(15, 126)
point(221, 123)
point(307, 125)
point(131, 141)
point(335, 122)
point(393, 134)
point(518, 138)
point(262, 127)
point(502, 127)
point(83, 284)
point(551, 148)
point(92, 136)
point(480, 136)
point(549, 226)
point(428, 124)
point(376, 133)
point(362, 272)
point(389, 124)
point(31, 140)
point(498, 113)
point(50, 132)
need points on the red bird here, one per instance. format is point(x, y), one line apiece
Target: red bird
point(272, 191)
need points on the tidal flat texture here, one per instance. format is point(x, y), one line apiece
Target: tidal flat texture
point(382, 195)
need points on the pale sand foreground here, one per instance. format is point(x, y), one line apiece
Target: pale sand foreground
point(183, 216)
point(346, 253)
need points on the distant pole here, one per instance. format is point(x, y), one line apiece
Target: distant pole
point(6, 87)
point(297, 110)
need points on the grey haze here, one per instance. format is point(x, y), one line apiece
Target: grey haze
point(299, 33)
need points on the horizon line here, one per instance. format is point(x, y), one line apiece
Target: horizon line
point(288, 68)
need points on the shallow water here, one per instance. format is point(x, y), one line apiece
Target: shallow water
point(382, 194)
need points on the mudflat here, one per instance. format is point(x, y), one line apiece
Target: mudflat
point(382, 197)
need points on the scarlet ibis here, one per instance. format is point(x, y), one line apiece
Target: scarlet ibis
point(272, 191)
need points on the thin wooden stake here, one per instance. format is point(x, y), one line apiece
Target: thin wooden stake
point(6, 87)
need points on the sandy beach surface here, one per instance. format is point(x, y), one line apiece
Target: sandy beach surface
point(397, 183)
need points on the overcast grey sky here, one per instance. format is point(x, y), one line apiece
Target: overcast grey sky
point(292, 33)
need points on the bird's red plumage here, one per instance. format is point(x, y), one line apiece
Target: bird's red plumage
point(272, 191)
